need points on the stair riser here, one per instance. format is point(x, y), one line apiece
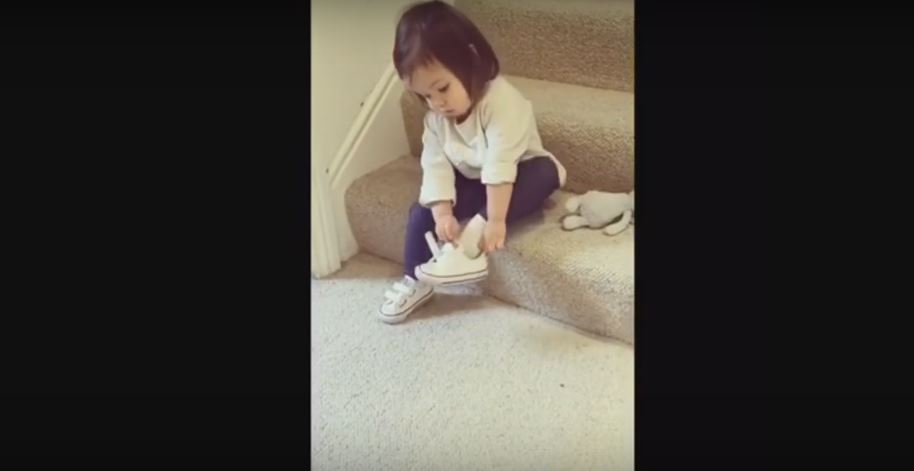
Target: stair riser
point(529, 285)
point(569, 43)
point(380, 227)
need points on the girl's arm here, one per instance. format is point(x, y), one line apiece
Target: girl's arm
point(506, 118)
point(437, 172)
point(498, 197)
point(438, 191)
point(442, 208)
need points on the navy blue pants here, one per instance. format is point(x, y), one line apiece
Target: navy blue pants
point(537, 178)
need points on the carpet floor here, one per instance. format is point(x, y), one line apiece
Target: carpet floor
point(467, 382)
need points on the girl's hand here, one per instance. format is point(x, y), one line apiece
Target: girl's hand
point(494, 236)
point(447, 228)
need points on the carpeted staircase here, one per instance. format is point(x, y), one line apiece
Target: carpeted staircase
point(574, 60)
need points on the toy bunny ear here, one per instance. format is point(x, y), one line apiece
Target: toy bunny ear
point(573, 204)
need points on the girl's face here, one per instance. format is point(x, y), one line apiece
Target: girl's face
point(442, 90)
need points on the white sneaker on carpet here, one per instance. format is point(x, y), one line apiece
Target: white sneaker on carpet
point(450, 265)
point(405, 297)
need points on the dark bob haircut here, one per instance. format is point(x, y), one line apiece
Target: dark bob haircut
point(434, 30)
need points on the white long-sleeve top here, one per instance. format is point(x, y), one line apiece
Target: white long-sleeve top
point(499, 133)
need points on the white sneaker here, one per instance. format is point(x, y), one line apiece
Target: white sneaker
point(451, 266)
point(471, 236)
point(405, 297)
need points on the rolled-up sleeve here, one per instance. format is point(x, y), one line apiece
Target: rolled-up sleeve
point(506, 124)
point(437, 171)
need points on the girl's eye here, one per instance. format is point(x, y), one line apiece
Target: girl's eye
point(444, 89)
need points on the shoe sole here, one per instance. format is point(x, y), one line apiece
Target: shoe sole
point(397, 318)
point(466, 278)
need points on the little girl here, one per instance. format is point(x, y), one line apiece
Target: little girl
point(482, 156)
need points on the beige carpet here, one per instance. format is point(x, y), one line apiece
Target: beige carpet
point(468, 383)
point(585, 42)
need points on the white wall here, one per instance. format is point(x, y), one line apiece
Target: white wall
point(351, 46)
point(352, 43)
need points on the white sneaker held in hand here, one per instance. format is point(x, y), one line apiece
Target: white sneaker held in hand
point(403, 299)
point(450, 265)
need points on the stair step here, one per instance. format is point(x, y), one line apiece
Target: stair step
point(590, 130)
point(583, 278)
point(585, 42)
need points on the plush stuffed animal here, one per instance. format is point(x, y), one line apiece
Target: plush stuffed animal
point(612, 212)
